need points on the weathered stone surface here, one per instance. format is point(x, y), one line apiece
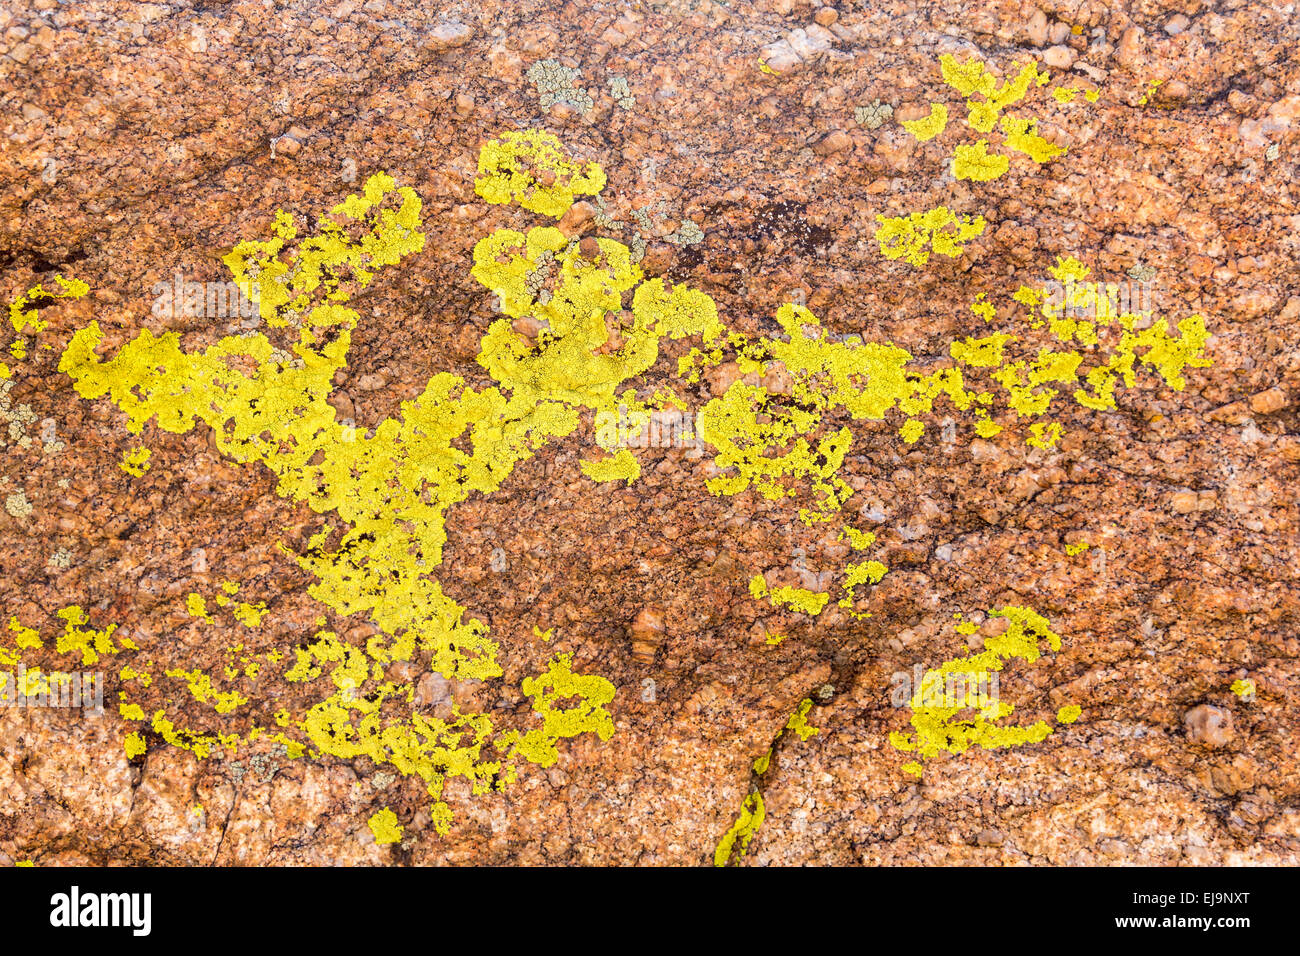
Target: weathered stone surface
point(145, 140)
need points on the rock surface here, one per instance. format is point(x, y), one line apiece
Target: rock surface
point(145, 140)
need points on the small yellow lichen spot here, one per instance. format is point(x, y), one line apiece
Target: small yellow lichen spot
point(24, 863)
point(130, 711)
point(915, 236)
point(196, 606)
point(622, 466)
point(530, 167)
point(1244, 688)
point(868, 572)
point(986, 428)
point(200, 686)
point(799, 599)
point(858, 540)
point(135, 461)
point(24, 315)
point(25, 637)
point(762, 65)
point(546, 635)
point(774, 639)
point(981, 353)
point(1045, 435)
point(912, 767)
point(976, 163)
point(947, 693)
point(930, 126)
point(89, 641)
point(798, 721)
point(967, 78)
point(983, 308)
point(1077, 548)
point(911, 431)
point(1068, 714)
point(250, 615)
point(385, 827)
point(587, 714)
point(134, 744)
point(1065, 94)
point(1021, 136)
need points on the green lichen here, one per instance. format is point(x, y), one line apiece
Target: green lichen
point(874, 115)
point(557, 83)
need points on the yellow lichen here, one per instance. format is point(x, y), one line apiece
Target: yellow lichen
point(385, 827)
point(737, 839)
point(622, 466)
point(1020, 136)
point(975, 162)
point(796, 599)
point(1068, 714)
point(388, 489)
point(930, 126)
point(587, 715)
point(937, 708)
point(135, 461)
point(913, 237)
point(1044, 435)
point(1244, 688)
point(197, 606)
point(530, 167)
point(798, 722)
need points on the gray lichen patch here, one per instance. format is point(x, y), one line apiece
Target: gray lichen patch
point(622, 93)
point(604, 221)
point(873, 116)
point(17, 504)
point(15, 419)
point(557, 83)
point(688, 234)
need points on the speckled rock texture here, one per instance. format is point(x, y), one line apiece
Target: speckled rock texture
point(141, 140)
